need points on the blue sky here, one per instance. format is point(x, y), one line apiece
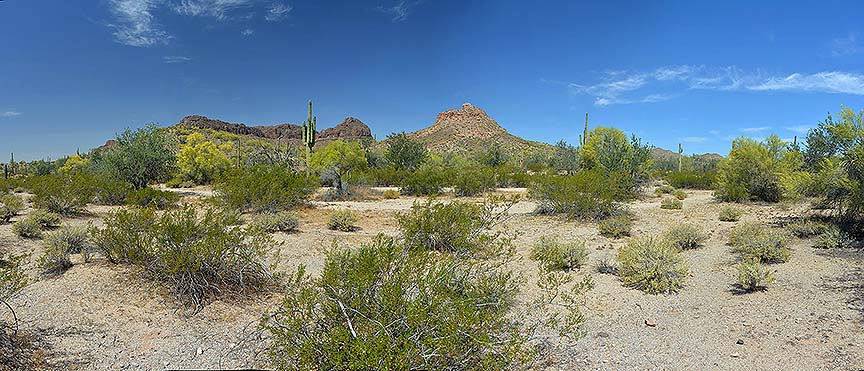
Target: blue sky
point(76, 72)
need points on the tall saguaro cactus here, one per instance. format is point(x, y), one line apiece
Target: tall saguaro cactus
point(584, 137)
point(308, 135)
point(680, 157)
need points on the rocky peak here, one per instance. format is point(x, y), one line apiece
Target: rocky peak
point(213, 124)
point(349, 128)
point(469, 121)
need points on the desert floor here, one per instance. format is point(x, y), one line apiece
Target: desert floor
point(103, 316)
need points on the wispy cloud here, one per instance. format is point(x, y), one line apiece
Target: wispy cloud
point(801, 129)
point(10, 114)
point(135, 23)
point(398, 12)
point(847, 45)
point(218, 9)
point(694, 139)
point(277, 11)
point(755, 129)
point(623, 87)
point(170, 59)
point(247, 32)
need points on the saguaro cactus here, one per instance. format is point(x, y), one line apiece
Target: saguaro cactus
point(308, 134)
point(680, 157)
point(584, 137)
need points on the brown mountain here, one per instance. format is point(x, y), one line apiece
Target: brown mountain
point(470, 129)
point(349, 129)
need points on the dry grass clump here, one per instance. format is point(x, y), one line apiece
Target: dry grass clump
point(27, 228)
point(729, 214)
point(58, 246)
point(755, 241)
point(617, 226)
point(680, 194)
point(283, 221)
point(664, 190)
point(343, 220)
point(686, 236)
point(806, 228)
point(652, 265)
point(391, 194)
point(753, 275)
point(556, 255)
point(671, 203)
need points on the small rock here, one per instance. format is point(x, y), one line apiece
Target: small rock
point(602, 334)
point(650, 323)
point(200, 351)
point(735, 355)
point(740, 342)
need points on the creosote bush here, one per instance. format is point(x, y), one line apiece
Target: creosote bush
point(753, 275)
point(44, 219)
point(264, 188)
point(686, 236)
point(807, 228)
point(587, 195)
point(617, 226)
point(27, 228)
point(343, 220)
point(671, 203)
point(652, 265)
point(10, 205)
point(427, 180)
point(283, 221)
point(55, 259)
point(462, 228)
point(757, 242)
point(197, 257)
point(556, 255)
point(833, 238)
point(151, 197)
point(664, 190)
point(729, 214)
point(390, 194)
point(62, 194)
point(679, 194)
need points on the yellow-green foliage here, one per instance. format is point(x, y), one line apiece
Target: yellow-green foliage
point(833, 238)
point(283, 221)
point(671, 203)
point(729, 214)
point(74, 164)
point(806, 228)
point(10, 205)
point(679, 194)
point(686, 236)
point(151, 197)
point(652, 265)
point(202, 161)
point(753, 170)
point(390, 194)
point(755, 241)
point(341, 158)
point(752, 275)
point(556, 255)
point(343, 220)
point(600, 137)
point(664, 189)
point(44, 219)
point(617, 226)
point(12, 277)
point(27, 228)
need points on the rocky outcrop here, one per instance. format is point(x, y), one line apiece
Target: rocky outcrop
point(350, 128)
point(282, 131)
point(208, 123)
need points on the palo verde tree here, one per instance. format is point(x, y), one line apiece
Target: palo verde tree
point(139, 157)
point(405, 153)
point(341, 158)
point(200, 160)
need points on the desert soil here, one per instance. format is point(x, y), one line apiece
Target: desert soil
point(101, 316)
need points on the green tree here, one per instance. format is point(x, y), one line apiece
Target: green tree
point(139, 157)
point(565, 158)
point(405, 153)
point(341, 158)
point(201, 161)
point(835, 153)
point(753, 170)
point(608, 149)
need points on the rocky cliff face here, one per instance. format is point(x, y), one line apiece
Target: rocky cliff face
point(349, 129)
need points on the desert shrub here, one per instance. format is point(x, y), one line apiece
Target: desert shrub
point(692, 179)
point(391, 194)
point(745, 232)
point(343, 220)
point(27, 228)
point(753, 275)
point(55, 259)
point(264, 188)
point(679, 194)
point(832, 238)
point(652, 265)
point(671, 203)
point(110, 191)
point(151, 197)
point(5, 215)
point(617, 226)
point(607, 150)
point(404, 153)
point(556, 255)
point(13, 203)
point(664, 190)
point(752, 171)
point(387, 307)
point(339, 158)
point(586, 195)
point(13, 278)
point(759, 243)
point(139, 157)
point(201, 161)
point(62, 194)
point(197, 257)
point(427, 180)
point(686, 236)
point(471, 180)
point(282, 221)
point(806, 228)
point(607, 266)
point(73, 239)
point(729, 214)
point(461, 228)
point(44, 219)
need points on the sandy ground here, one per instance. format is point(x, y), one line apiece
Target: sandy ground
point(101, 316)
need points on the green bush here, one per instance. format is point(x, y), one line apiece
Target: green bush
point(197, 257)
point(692, 179)
point(282, 221)
point(729, 214)
point(73, 239)
point(679, 194)
point(589, 195)
point(62, 194)
point(471, 180)
point(556, 255)
point(617, 226)
point(427, 180)
point(343, 220)
point(670, 203)
point(461, 228)
point(110, 191)
point(765, 245)
point(745, 232)
point(806, 228)
point(833, 238)
point(265, 188)
point(55, 259)
point(27, 228)
point(44, 219)
point(652, 265)
point(387, 307)
point(13, 203)
point(686, 236)
point(13, 278)
point(151, 197)
point(139, 157)
point(752, 275)
point(391, 194)
point(664, 190)
point(753, 170)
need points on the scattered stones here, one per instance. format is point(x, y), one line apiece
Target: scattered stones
point(740, 342)
point(650, 323)
point(735, 355)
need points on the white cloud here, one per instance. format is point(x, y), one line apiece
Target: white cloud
point(135, 23)
point(175, 59)
point(10, 114)
point(277, 12)
point(694, 139)
point(622, 87)
point(845, 45)
point(755, 129)
point(218, 9)
point(247, 32)
point(398, 12)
